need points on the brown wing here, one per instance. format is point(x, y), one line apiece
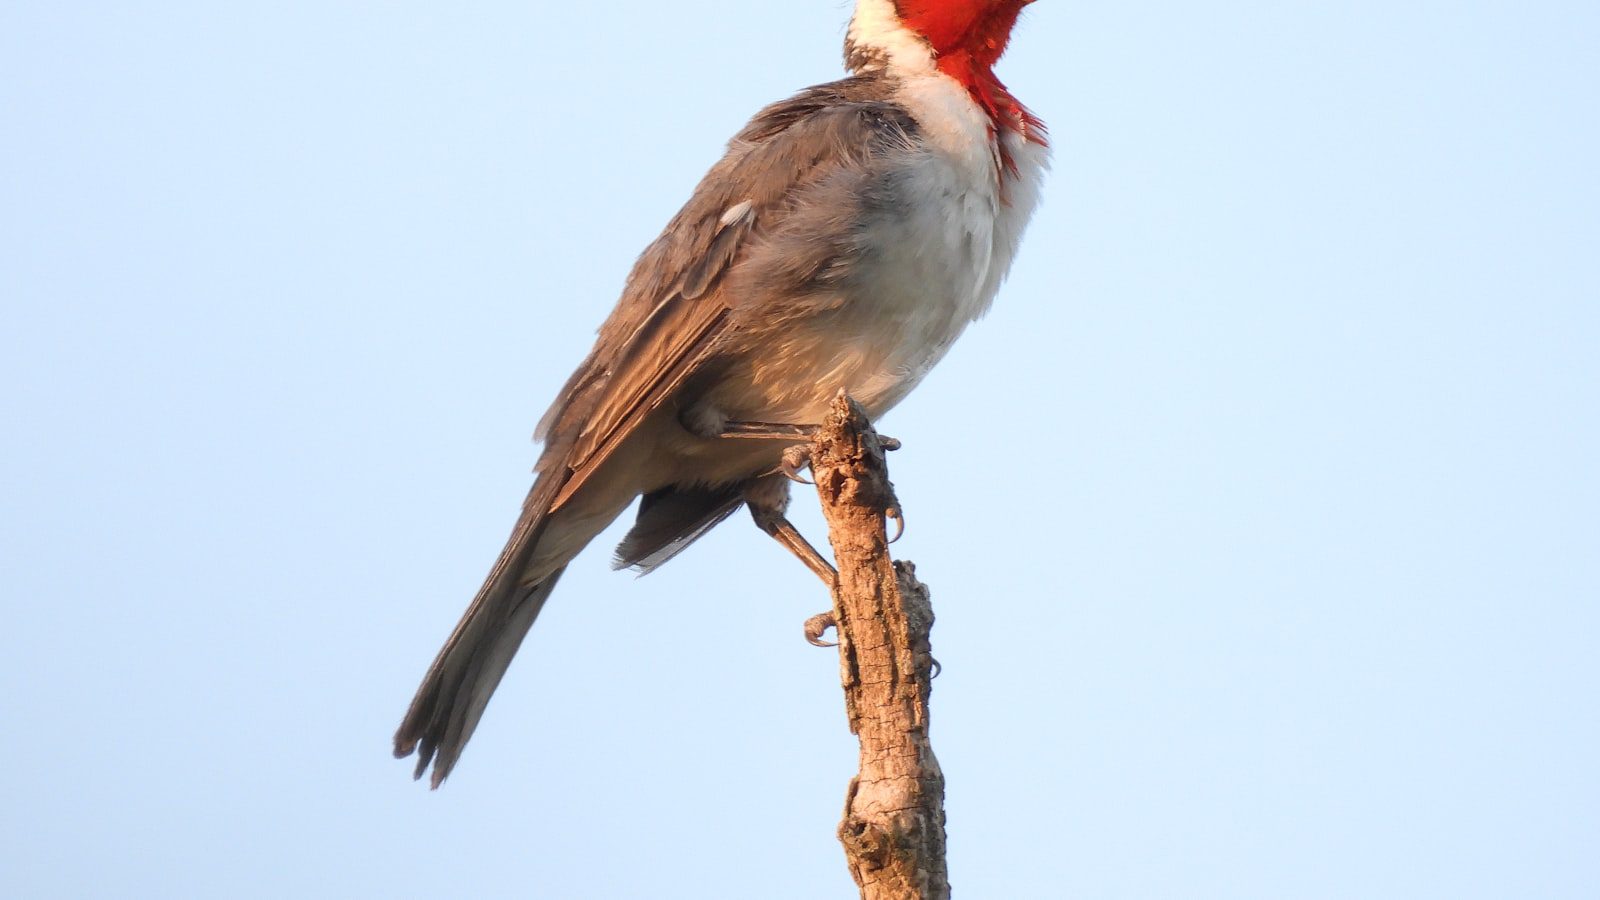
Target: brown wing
point(674, 312)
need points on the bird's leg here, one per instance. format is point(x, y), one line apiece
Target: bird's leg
point(795, 458)
point(785, 431)
point(767, 431)
point(768, 499)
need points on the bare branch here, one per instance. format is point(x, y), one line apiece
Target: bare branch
point(893, 828)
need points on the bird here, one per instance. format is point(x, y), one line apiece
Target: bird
point(846, 238)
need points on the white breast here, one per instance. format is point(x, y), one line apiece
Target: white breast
point(938, 267)
point(927, 269)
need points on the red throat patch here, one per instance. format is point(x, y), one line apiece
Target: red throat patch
point(968, 37)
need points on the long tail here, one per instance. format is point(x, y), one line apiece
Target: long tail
point(461, 680)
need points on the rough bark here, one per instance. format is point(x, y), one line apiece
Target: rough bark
point(893, 827)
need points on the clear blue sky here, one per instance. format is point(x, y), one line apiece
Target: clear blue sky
point(1261, 514)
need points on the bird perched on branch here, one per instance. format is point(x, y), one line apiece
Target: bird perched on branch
point(844, 241)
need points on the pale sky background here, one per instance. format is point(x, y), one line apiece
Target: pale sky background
point(1261, 513)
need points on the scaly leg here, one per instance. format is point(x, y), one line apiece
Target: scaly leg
point(768, 499)
point(767, 431)
point(785, 431)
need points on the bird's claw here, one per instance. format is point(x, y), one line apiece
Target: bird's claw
point(898, 515)
point(795, 460)
point(818, 625)
point(888, 444)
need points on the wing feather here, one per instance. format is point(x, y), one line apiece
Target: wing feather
point(674, 313)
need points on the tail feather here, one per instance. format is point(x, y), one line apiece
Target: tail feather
point(458, 686)
point(453, 694)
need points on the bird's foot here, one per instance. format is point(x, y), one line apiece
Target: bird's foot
point(796, 459)
point(898, 516)
point(817, 626)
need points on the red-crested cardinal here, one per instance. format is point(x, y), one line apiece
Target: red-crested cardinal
point(845, 240)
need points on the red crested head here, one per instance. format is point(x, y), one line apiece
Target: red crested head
point(974, 30)
point(961, 39)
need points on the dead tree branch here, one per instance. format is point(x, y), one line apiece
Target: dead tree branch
point(893, 828)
